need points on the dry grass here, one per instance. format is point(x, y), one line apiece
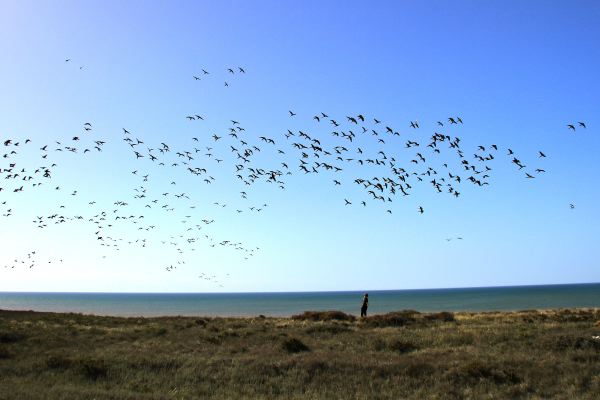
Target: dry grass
point(330, 355)
point(324, 316)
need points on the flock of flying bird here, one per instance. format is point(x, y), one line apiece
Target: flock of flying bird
point(360, 156)
point(231, 71)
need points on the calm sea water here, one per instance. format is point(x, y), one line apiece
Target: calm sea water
point(283, 304)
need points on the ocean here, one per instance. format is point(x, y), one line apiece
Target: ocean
point(505, 298)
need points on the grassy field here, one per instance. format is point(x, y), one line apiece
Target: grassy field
point(528, 354)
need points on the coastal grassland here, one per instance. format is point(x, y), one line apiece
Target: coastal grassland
point(527, 354)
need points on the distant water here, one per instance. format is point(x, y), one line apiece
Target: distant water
point(284, 304)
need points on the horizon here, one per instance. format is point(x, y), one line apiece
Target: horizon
point(392, 99)
point(330, 291)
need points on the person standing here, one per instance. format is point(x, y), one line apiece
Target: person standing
point(365, 305)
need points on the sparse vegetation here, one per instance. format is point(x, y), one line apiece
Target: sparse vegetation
point(330, 355)
point(324, 316)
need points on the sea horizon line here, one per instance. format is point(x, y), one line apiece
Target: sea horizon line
point(317, 291)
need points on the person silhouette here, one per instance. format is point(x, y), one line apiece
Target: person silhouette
point(365, 305)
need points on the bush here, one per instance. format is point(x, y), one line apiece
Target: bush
point(476, 371)
point(575, 315)
point(11, 337)
point(92, 369)
point(565, 342)
point(443, 316)
point(328, 328)
point(4, 354)
point(324, 316)
point(58, 362)
point(314, 367)
point(294, 345)
point(419, 369)
point(402, 346)
point(396, 318)
point(406, 317)
point(161, 332)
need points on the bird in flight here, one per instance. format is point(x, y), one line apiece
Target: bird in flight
point(292, 113)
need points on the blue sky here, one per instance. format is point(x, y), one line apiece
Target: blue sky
point(515, 72)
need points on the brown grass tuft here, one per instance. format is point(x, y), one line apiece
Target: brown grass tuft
point(477, 371)
point(443, 316)
point(58, 362)
point(331, 329)
point(573, 342)
point(92, 369)
point(403, 346)
point(324, 316)
point(294, 345)
point(396, 318)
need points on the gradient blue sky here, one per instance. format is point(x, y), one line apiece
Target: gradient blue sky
point(516, 72)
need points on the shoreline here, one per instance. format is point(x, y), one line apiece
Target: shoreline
point(286, 304)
